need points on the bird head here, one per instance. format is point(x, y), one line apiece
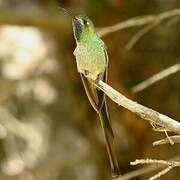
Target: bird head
point(82, 26)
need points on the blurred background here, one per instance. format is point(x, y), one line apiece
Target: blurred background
point(48, 129)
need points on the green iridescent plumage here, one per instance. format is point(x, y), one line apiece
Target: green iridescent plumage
point(90, 55)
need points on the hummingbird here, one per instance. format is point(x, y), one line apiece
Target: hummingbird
point(92, 61)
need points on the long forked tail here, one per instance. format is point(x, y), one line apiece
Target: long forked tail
point(98, 102)
point(109, 137)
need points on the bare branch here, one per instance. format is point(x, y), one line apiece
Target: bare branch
point(169, 139)
point(139, 21)
point(158, 128)
point(175, 139)
point(152, 161)
point(161, 173)
point(165, 131)
point(138, 35)
point(142, 111)
point(155, 78)
point(170, 164)
point(144, 170)
point(139, 172)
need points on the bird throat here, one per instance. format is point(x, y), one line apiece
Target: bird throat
point(77, 27)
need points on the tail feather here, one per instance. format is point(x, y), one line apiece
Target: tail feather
point(98, 101)
point(109, 137)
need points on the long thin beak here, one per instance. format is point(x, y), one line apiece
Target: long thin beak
point(65, 11)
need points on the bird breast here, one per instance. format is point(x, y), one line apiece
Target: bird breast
point(90, 58)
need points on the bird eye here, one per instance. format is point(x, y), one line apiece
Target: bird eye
point(86, 23)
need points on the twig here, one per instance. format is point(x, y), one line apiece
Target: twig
point(142, 111)
point(156, 161)
point(139, 172)
point(158, 128)
point(144, 170)
point(161, 173)
point(138, 21)
point(169, 139)
point(155, 78)
point(170, 164)
point(175, 139)
point(138, 35)
point(142, 32)
point(161, 129)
